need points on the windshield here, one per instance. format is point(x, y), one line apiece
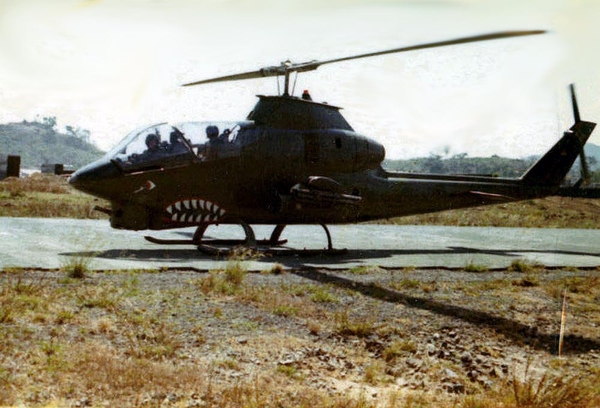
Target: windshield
point(171, 144)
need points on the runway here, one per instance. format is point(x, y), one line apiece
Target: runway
point(51, 243)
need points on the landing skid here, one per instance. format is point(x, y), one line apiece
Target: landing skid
point(271, 246)
point(229, 242)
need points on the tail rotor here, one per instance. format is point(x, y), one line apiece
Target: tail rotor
point(585, 171)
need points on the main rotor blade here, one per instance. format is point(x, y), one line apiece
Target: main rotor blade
point(287, 67)
point(464, 40)
point(261, 73)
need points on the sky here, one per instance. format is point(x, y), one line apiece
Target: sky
point(110, 66)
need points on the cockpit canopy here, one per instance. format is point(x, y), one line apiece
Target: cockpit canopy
point(171, 144)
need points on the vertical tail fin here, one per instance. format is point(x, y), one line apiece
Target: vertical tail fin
point(552, 168)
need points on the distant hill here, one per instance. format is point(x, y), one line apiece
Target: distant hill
point(461, 164)
point(494, 165)
point(39, 143)
point(592, 153)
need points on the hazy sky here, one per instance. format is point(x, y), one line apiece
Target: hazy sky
point(112, 65)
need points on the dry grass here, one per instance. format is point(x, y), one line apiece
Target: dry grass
point(550, 212)
point(93, 342)
point(229, 339)
point(37, 182)
point(45, 195)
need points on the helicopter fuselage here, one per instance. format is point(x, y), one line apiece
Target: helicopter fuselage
point(293, 161)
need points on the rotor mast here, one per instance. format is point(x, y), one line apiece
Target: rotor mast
point(286, 81)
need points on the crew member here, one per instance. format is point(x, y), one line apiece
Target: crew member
point(177, 144)
point(212, 133)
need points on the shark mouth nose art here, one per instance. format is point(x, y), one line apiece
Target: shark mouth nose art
point(194, 210)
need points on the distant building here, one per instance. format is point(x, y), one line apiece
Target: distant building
point(10, 166)
point(56, 168)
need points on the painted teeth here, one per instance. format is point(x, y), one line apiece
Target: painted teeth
point(194, 211)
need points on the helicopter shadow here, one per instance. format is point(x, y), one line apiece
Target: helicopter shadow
point(169, 255)
point(299, 258)
point(293, 257)
point(518, 332)
point(352, 256)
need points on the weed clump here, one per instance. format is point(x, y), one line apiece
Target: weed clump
point(364, 270)
point(276, 269)
point(347, 327)
point(77, 267)
point(399, 348)
point(522, 265)
point(530, 280)
point(473, 267)
point(551, 391)
point(226, 281)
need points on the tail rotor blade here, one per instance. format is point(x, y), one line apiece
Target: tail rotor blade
point(585, 170)
point(574, 103)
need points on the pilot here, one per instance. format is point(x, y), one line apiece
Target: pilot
point(153, 150)
point(212, 133)
point(152, 142)
point(177, 145)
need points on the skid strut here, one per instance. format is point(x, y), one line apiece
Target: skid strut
point(329, 244)
point(250, 240)
point(211, 246)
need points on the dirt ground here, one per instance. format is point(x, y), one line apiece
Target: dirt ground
point(361, 337)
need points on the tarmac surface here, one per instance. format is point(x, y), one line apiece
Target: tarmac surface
point(52, 243)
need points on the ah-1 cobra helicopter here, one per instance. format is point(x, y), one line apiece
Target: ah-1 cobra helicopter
point(292, 161)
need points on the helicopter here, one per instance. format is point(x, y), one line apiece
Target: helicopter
point(291, 161)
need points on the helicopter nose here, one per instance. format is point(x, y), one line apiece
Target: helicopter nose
point(95, 177)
